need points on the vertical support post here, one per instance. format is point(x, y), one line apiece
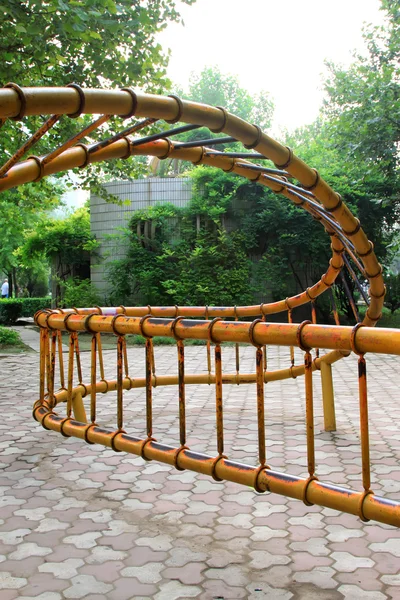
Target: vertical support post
point(70, 381)
point(309, 413)
point(78, 407)
point(149, 391)
point(218, 399)
point(52, 369)
point(260, 406)
point(93, 360)
point(314, 321)
point(43, 345)
point(328, 397)
point(120, 391)
point(290, 320)
point(60, 360)
point(182, 398)
point(364, 432)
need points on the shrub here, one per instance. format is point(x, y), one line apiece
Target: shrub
point(9, 337)
point(11, 309)
point(80, 293)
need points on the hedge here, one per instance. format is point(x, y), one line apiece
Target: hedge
point(12, 309)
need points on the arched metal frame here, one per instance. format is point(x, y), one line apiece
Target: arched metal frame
point(311, 192)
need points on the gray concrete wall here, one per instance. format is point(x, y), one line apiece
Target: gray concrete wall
point(109, 218)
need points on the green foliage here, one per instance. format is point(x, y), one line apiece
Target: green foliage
point(12, 309)
point(69, 240)
point(208, 252)
point(80, 293)
point(363, 116)
point(65, 243)
point(96, 43)
point(213, 87)
point(392, 298)
point(9, 337)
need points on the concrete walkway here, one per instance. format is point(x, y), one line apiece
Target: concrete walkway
point(81, 521)
point(31, 337)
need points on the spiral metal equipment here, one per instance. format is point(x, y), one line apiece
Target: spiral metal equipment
point(66, 394)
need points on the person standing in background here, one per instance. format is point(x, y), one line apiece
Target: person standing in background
point(4, 289)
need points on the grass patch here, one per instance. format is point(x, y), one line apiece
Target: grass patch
point(11, 342)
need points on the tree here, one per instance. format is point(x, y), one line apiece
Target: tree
point(213, 87)
point(65, 244)
point(363, 108)
point(94, 43)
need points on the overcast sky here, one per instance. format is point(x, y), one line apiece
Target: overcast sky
point(277, 46)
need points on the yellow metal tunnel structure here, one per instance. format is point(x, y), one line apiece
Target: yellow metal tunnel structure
point(68, 400)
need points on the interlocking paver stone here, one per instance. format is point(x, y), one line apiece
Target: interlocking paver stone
point(81, 521)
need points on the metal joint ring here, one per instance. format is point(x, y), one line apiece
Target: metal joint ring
point(289, 308)
point(87, 326)
point(106, 382)
point(225, 115)
point(289, 160)
point(251, 332)
point(173, 325)
point(325, 282)
point(214, 466)
point(197, 162)
point(129, 147)
point(169, 150)
point(176, 456)
point(355, 230)
point(313, 185)
point(311, 298)
point(368, 252)
point(87, 155)
point(353, 339)
point(142, 449)
point(291, 372)
point(376, 274)
point(317, 365)
point(141, 323)
point(180, 109)
point(90, 426)
point(114, 435)
point(361, 505)
point(338, 205)
point(298, 336)
point(123, 309)
point(82, 100)
point(65, 320)
point(113, 323)
point(380, 295)
point(257, 140)
point(307, 483)
point(134, 103)
point(256, 486)
point(231, 168)
point(211, 327)
point(62, 427)
point(332, 266)
point(22, 99)
point(40, 164)
point(374, 319)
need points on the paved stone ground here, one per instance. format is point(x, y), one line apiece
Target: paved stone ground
point(80, 521)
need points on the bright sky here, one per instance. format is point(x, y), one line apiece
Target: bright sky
point(275, 46)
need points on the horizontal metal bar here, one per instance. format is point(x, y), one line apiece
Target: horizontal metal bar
point(369, 339)
point(164, 134)
point(127, 131)
point(311, 492)
point(208, 142)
